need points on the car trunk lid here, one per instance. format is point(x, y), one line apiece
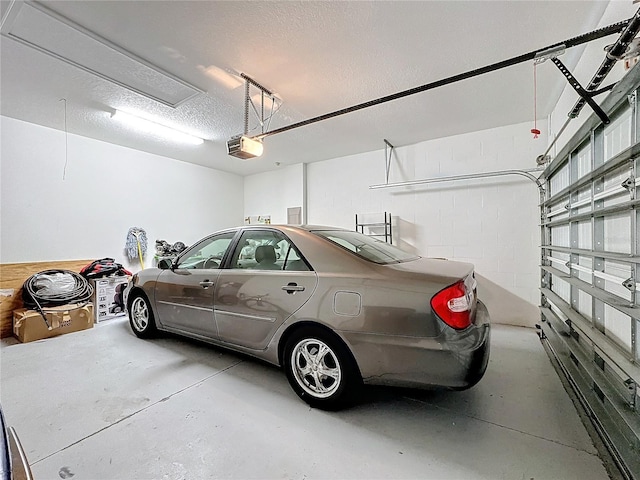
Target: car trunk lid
point(454, 300)
point(436, 268)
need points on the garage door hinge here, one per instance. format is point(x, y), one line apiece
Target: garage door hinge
point(544, 302)
point(630, 284)
point(633, 389)
point(632, 99)
point(630, 185)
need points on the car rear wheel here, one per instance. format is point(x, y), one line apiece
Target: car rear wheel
point(321, 370)
point(141, 317)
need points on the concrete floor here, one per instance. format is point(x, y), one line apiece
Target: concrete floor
point(101, 404)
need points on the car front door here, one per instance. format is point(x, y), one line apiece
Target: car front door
point(267, 281)
point(184, 294)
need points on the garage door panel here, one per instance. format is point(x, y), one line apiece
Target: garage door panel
point(583, 160)
point(561, 288)
point(585, 305)
point(618, 134)
point(581, 201)
point(590, 302)
point(617, 233)
point(618, 327)
point(560, 180)
point(558, 210)
point(585, 230)
point(616, 177)
point(560, 236)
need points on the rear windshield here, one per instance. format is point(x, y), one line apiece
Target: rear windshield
point(366, 247)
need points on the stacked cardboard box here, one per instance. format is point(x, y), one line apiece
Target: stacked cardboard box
point(28, 325)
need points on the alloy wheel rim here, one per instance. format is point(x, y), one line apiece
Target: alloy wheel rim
point(140, 314)
point(316, 368)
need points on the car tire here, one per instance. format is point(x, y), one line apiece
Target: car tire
point(141, 317)
point(321, 370)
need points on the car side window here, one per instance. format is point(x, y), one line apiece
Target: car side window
point(206, 254)
point(267, 250)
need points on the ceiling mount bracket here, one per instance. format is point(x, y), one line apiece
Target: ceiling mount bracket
point(549, 53)
point(248, 101)
point(586, 95)
point(245, 145)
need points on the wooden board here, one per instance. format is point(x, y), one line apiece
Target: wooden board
point(13, 276)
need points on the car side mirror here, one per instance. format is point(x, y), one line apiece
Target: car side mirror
point(165, 264)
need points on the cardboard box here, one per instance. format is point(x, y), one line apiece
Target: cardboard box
point(108, 297)
point(28, 325)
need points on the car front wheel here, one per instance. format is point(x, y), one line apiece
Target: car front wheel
point(321, 370)
point(141, 317)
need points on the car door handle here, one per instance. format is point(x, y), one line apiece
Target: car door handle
point(206, 284)
point(292, 288)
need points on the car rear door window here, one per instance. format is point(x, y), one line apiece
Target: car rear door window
point(267, 250)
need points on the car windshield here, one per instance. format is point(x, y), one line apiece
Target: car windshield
point(366, 247)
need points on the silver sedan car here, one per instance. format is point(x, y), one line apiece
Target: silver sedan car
point(333, 307)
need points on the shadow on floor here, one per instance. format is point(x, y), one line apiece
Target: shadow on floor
point(504, 307)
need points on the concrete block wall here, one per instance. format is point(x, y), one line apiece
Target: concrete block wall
point(492, 223)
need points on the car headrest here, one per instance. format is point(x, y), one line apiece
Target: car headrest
point(266, 253)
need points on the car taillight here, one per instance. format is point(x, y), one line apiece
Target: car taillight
point(453, 305)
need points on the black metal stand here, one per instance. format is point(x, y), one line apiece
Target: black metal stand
point(386, 224)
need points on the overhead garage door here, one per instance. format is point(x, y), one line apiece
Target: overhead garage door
point(590, 269)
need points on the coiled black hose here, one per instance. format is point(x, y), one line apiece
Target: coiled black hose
point(53, 288)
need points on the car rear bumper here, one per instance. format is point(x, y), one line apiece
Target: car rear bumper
point(454, 359)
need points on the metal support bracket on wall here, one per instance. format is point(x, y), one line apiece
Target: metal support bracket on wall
point(387, 147)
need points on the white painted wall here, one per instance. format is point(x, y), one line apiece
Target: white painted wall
point(492, 223)
point(271, 193)
point(106, 190)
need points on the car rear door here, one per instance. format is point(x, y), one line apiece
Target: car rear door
point(252, 300)
point(184, 294)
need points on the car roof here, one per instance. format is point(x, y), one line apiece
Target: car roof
point(308, 228)
point(282, 227)
point(320, 227)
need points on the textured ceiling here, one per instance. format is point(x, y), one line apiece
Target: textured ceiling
point(317, 56)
